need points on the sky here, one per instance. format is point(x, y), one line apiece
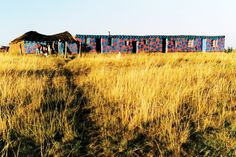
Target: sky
point(120, 17)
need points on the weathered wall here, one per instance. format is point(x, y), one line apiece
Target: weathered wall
point(119, 44)
point(73, 48)
point(91, 47)
point(180, 44)
point(149, 43)
point(220, 47)
point(31, 46)
point(155, 45)
point(15, 48)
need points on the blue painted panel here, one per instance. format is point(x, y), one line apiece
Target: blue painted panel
point(204, 45)
point(61, 47)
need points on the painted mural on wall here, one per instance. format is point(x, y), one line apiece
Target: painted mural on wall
point(133, 44)
point(136, 44)
point(72, 48)
point(32, 47)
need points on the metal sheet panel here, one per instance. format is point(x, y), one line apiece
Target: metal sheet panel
point(204, 45)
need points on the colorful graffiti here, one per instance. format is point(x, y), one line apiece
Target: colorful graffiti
point(72, 48)
point(136, 44)
point(31, 47)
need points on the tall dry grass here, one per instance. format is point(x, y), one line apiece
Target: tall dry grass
point(109, 105)
point(34, 95)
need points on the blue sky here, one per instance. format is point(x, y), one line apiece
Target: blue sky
point(137, 17)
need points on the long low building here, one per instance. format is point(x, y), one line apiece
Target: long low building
point(152, 43)
point(64, 43)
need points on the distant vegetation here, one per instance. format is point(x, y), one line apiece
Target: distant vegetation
point(4, 48)
point(109, 105)
point(229, 50)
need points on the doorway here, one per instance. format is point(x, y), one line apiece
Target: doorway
point(164, 45)
point(98, 44)
point(135, 46)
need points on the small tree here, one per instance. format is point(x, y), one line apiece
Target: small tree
point(229, 50)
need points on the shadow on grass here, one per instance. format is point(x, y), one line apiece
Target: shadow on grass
point(77, 111)
point(89, 140)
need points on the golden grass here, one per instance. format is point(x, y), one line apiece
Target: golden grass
point(109, 105)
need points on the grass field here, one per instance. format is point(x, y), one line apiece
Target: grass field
point(108, 105)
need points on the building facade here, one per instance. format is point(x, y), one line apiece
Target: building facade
point(31, 47)
point(65, 43)
point(137, 44)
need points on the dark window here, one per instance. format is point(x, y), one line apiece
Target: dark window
point(110, 41)
point(126, 43)
point(175, 43)
point(87, 41)
point(191, 43)
point(145, 41)
point(214, 43)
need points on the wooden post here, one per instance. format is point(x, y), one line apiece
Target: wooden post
point(79, 48)
point(20, 49)
point(66, 45)
point(58, 47)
